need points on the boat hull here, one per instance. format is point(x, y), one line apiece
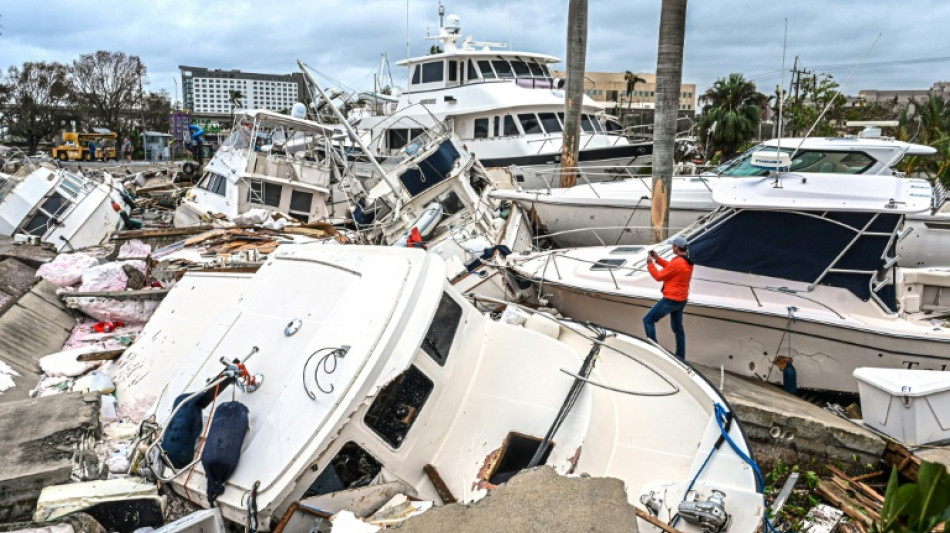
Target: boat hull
point(824, 355)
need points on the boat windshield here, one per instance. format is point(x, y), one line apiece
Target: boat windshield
point(804, 161)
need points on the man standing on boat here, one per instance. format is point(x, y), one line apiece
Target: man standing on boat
point(675, 276)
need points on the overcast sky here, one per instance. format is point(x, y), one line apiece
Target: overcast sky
point(344, 38)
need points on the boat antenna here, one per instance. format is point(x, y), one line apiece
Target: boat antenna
point(399, 192)
point(781, 89)
point(441, 15)
point(836, 93)
point(409, 69)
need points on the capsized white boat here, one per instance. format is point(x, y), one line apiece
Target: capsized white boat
point(618, 213)
point(64, 209)
point(799, 267)
point(272, 162)
point(371, 372)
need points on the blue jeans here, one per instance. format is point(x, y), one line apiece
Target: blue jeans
point(675, 309)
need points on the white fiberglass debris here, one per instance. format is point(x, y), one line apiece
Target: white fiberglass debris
point(6, 376)
point(95, 381)
point(347, 522)
point(66, 363)
point(66, 269)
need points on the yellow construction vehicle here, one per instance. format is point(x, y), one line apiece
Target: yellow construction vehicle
point(75, 147)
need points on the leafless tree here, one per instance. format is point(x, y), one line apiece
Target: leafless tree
point(109, 86)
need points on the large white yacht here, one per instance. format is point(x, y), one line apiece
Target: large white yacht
point(505, 105)
point(618, 213)
point(801, 267)
point(370, 375)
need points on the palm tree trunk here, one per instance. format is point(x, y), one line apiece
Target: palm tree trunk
point(574, 96)
point(669, 75)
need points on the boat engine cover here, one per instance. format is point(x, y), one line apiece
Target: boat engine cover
point(222, 449)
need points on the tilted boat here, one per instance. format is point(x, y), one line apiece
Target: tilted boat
point(64, 209)
point(618, 213)
point(362, 371)
point(800, 267)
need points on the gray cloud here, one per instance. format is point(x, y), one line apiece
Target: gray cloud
point(344, 39)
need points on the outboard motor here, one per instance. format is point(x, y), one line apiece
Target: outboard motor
point(222, 449)
point(710, 515)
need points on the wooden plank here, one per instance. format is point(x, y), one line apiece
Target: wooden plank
point(655, 521)
point(857, 485)
point(105, 355)
point(127, 235)
point(143, 294)
point(837, 497)
point(440, 487)
point(906, 462)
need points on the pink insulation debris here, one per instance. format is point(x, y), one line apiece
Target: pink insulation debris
point(134, 249)
point(108, 276)
point(67, 269)
point(128, 311)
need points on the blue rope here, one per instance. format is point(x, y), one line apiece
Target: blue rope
point(722, 417)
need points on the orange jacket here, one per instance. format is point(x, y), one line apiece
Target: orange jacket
point(675, 276)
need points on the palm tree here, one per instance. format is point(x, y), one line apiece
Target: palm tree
point(731, 116)
point(933, 117)
point(574, 95)
point(632, 81)
point(669, 76)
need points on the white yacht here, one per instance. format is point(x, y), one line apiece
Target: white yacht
point(505, 105)
point(64, 209)
point(270, 161)
point(801, 267)
point(618, 213)
point(370, 375)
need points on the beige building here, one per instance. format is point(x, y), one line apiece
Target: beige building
point(611, 89)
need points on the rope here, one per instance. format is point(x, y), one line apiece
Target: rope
point(787, 330)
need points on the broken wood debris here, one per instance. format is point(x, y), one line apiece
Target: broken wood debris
point(860, 502)
point(141, 294)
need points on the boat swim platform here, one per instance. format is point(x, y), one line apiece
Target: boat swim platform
point(774, 417)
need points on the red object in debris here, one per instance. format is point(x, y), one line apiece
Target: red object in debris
point(415, 239)
point(116, 206)
point(155, 284)
point(107, 326)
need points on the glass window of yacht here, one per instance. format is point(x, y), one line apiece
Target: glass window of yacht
point(472, 71)
point(70, 185)
point(804, 161)
point(220, 186)
point(261, 192)
point(597, 125)
point(416, 71)
point(397, 406)
point(300, 203)
point(433, 71)
point(550, 122)
point(481, 128)
point(39, 223)
point(487, 72)
point(545, 71)
point(511, 128)
point(438, 340)
point(453, 71)
point(503, 68)
point(535, 69)
point(586, 123)
point(496, 124)
point(530, 123)
point(351, 468)
point(521, 68)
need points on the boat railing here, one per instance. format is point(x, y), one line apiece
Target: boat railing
point(570, 324)
point(639, 266)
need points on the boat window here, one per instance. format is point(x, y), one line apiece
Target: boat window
point(205, 181)
point(550, 122)
point(70, 185)
point(397, 406)
point(472, 71)
point(511, 128)
point(560, 117)
point(521, 69)
point(438, 340)
point(586, 123)
point(613, 125)
point(516, 454)
point(544, 69)
point(529, 123)
point(300, 203)
point(495, 126)
point(481, 128)
point(597, 125)
point(502, 68)
point(804, 161)
point(608, 264)
point(220, 186)
point(261, 192)
point(451, 203)
point(432, 72)
point(485, 67)
point(535, 69)
point(352, 467)
point(415, 74)
point(453, 71)
point(55, 204)
point(37, 224)
point(626, 250)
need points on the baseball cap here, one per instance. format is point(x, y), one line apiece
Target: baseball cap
point(679, 242)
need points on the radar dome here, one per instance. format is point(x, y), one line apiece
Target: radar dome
point(299, 110)
point(453, 24)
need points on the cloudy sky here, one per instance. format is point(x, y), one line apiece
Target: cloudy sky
point(344, 38)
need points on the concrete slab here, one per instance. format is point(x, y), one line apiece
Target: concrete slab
point(38, 439)
point(773, 416)
point(536, 500)
point(15, 276)
point(935, 455)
